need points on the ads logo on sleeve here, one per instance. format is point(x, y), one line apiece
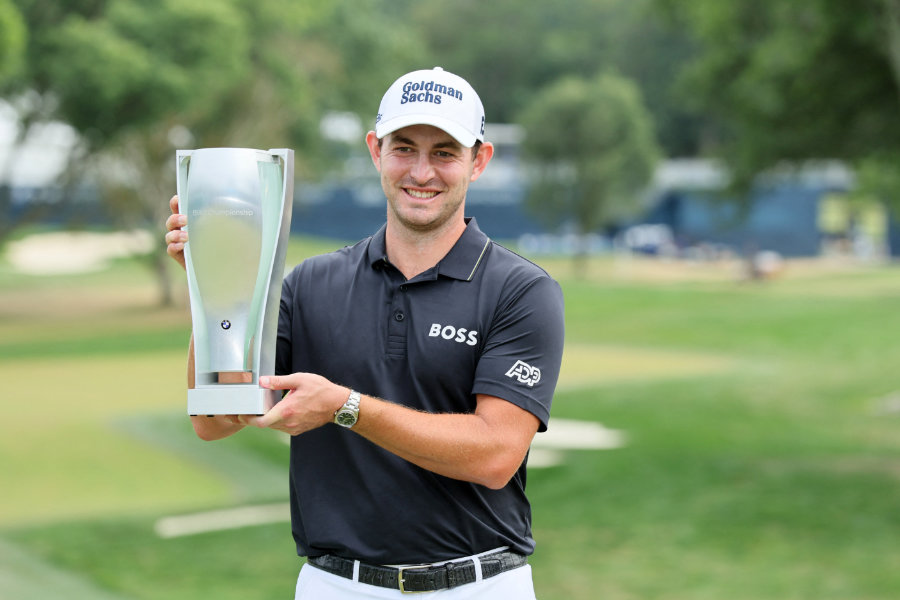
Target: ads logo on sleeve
point(524, 373)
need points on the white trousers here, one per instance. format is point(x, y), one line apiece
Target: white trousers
point(316, 584)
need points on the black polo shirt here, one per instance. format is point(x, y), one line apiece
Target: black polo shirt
point(482, 321)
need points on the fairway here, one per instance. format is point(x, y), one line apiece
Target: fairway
point(760, 459)
point(586, 365)
point(105, 470)
point(70, 442)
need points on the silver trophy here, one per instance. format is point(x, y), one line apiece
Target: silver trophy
point(238, 203)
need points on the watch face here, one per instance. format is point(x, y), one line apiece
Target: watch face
point(345, 418)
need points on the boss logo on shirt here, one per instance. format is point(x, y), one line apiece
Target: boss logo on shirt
point(449, 332)
point(524, 373)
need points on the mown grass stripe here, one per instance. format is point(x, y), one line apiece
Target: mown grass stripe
point(221, 520)
point(23, 576)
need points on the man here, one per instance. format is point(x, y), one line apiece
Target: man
point(418, 364)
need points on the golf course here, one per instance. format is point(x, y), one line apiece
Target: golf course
point(758, 454)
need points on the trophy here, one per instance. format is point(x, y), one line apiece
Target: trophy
point(238, 203)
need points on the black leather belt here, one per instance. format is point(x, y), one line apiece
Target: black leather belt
point(421, 579)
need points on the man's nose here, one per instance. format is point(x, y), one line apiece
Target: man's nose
point(422, 170)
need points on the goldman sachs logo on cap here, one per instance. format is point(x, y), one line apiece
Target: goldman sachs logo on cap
point(422, 91)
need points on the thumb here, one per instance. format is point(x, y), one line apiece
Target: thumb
point(270, 418)
point(276, 382)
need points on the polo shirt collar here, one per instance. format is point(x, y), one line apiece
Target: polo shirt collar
point(461, 262)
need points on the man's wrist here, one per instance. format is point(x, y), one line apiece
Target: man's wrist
point(348, 413)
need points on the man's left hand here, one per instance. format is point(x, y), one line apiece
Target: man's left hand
point(310, 402)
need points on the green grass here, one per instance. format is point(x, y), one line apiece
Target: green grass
point(760, 462)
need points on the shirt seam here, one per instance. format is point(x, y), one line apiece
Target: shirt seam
point(478, 262)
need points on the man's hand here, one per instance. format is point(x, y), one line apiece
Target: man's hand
point(175, 237)
point(310, 403)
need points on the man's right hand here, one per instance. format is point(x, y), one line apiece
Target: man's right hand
point(175, 237)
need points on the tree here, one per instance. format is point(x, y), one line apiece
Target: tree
point(12, 39)
point(138, 78)
point(790, 81)
point(592, 148)
point(118, 71)
point(509, 50)
point(12, 50)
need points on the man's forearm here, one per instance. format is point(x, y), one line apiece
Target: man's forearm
point(486, 447)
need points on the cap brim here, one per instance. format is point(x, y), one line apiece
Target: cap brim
point(454, 129)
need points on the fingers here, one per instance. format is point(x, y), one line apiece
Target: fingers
point(175, 241)
point(176, 238)
point(272, 417)
point(305, 407)
point(282, 382)
point(175, 235)
point(175, 222)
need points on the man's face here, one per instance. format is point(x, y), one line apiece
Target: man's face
point(425, 173)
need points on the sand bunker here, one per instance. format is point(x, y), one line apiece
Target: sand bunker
point(63, 252)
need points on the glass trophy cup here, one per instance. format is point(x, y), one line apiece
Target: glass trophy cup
point(238, 204)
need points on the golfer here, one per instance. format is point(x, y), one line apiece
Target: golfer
point(417, 366)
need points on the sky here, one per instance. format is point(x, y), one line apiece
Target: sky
point(40, 158)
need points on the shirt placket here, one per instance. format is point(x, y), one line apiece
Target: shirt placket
point(398, 321)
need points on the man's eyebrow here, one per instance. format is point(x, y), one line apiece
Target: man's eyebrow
point(452, 144)
point(399, 139)
point(404, 141)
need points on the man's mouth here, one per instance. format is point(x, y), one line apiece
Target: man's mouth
point(421, 195)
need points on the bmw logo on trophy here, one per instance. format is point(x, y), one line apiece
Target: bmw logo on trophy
point(238, 203)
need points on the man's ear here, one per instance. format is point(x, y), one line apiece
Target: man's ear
point(485, 153)
point(374, 149)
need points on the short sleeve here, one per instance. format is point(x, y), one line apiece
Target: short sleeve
point(522, 353)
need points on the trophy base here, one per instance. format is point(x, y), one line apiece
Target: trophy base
point(231, 400)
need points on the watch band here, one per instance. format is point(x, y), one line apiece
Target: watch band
point(348, 414)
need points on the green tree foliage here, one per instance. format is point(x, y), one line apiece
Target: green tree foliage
point(121, 73)
point(259, 72)
point(12, 39)
point(141, 62)
point(592, 150)
point(510, 50)
point(790, 81)
point(139, 78)
point(12, 50)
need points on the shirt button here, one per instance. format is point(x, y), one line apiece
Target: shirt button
point(399, 316)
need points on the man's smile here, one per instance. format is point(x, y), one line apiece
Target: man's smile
point(421, 194)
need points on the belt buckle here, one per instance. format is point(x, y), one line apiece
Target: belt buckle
point(400, 581)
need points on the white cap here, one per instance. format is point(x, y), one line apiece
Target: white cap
point(436, 97)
